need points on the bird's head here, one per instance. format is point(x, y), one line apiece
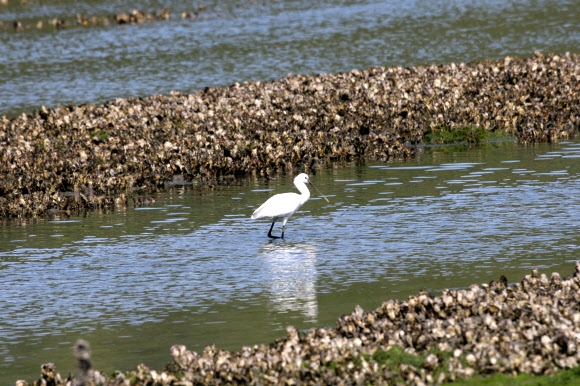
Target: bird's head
point(302, 178)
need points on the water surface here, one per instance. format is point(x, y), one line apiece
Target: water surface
point(195, 269)
point(238, 41)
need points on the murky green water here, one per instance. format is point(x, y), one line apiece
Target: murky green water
point(194, 269)
point(234, 41)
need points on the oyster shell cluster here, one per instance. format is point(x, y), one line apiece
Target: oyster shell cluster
point(82, 20)
point(98, 156)
point(532, 326)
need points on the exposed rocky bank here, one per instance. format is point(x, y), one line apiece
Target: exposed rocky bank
point(532, 326)
point(97, 156)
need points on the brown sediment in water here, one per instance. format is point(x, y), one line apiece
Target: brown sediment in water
point(532, 326)
point(71, 158)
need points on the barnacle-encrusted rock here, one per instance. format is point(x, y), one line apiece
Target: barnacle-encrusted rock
point(532, 326)
point(74, 157)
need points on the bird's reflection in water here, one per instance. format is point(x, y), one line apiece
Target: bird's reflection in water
point(290, 273)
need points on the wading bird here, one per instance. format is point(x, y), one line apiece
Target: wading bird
point(282, 206)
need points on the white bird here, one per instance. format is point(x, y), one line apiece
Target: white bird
point(282, 206)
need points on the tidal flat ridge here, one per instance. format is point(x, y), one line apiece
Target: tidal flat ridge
point(71, 158)
point(530, 326)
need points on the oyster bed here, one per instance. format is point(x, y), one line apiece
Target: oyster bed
point(71, 158)
point(532, 326)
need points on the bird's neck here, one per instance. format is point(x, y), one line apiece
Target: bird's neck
point(304, 192)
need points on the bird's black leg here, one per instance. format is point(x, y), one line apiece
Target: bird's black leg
point(270, 232)
point(283, 229)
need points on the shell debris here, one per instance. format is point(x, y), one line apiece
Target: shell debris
point(59, 160)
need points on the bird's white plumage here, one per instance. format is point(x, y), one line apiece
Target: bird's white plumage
point(282, 206)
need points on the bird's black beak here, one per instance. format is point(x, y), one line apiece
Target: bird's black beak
point(323, 196)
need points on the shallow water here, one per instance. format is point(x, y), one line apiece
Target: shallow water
point(194, 269)
point(238, 41)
